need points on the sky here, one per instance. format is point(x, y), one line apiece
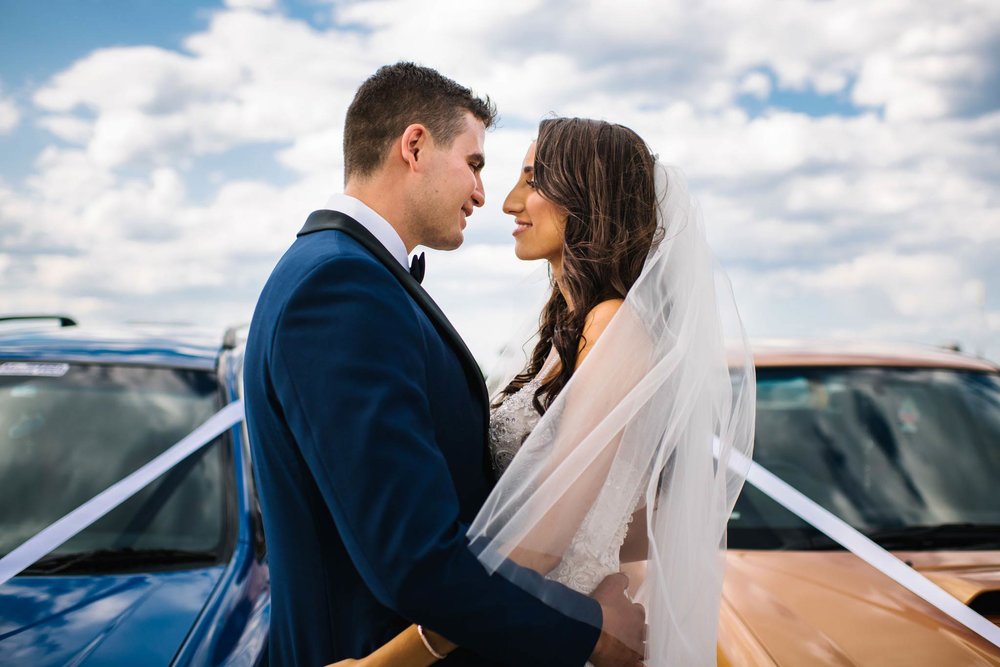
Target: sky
point(156, 158)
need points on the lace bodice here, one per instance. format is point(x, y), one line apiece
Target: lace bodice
point(587, 561)
point(512, 422)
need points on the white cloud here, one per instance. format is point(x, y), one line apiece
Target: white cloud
point(919, 298)
point(70, 128)
point(873, 224)
point(252, 4)
point(924, 285)
point(756, 84)
point(317, 152)
point(249, 78)
point(940, 65)
point(9, 116)
point(67, 178)
point(143, 78)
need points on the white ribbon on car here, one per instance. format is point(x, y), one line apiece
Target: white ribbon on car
point(854, 541)
point(56, 534)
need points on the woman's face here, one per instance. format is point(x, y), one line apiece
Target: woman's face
point(538, 223)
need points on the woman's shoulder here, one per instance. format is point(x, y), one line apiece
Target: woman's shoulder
point(594, 324)
point(601, 314)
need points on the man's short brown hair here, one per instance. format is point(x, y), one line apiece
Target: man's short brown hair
point(397, 96)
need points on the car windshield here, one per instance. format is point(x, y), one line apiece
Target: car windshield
point(69, 431)
point(910, 457)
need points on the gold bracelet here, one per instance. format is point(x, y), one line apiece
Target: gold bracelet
point(427, 644)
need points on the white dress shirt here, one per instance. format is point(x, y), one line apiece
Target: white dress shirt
point(373, 222)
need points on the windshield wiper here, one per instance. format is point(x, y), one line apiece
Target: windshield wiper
point(119, 560)
point(915, 538)
point(942, 536)
point(780, 539)
point(809, 541)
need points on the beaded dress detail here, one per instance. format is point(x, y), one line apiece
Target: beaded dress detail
point(593, 552)
point(513, 420)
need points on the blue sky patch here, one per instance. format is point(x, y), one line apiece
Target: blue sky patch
point(807, 101)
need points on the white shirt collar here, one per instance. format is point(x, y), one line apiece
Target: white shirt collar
point(373, 222)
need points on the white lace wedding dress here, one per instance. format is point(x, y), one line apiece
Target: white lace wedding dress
point(585, 563)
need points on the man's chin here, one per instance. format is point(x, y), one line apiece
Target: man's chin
point(452, 243)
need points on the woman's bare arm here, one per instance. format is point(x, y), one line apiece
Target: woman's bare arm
point(404, 650)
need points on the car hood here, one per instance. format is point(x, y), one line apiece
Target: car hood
point(124, 619)
point(832, 608)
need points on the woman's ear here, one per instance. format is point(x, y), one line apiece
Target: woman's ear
point(414, 139)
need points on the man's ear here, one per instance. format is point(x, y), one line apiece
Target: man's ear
point(414, 140)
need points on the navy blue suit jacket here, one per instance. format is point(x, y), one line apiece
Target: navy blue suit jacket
point(368, 421)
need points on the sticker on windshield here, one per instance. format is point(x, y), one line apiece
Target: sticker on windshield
point(33, 369)
point(908, 416)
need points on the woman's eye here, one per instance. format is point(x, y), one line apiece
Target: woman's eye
point(530, 182)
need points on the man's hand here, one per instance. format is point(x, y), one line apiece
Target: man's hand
point(621, 643)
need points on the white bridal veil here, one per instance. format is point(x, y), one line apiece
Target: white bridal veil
point(645, 428)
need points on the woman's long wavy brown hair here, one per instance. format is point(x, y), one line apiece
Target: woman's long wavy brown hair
point(601, 174)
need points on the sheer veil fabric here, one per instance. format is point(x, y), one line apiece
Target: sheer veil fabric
point(647, 422)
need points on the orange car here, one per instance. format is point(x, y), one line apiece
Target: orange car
point(904, 445)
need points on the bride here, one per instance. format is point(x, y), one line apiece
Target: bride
point(614, 440)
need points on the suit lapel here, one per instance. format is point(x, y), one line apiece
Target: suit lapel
point(325, 219)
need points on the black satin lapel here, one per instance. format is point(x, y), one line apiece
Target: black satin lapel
point(325, 219)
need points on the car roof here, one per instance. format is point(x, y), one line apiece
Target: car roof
point(134, 345)
point(777, 353)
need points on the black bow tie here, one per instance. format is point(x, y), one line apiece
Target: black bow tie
point(417, 267)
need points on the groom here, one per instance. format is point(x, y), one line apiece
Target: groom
point(368, 415)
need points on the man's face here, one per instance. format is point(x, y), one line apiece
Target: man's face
point(452, 187)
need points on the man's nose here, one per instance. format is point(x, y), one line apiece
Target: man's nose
point(479, 194)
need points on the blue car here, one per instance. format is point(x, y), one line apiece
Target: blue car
point(177, 574)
